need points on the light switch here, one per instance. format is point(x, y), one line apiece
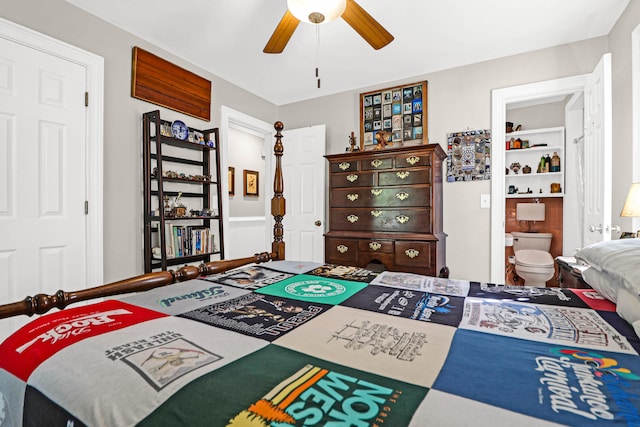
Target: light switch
point(485, 201)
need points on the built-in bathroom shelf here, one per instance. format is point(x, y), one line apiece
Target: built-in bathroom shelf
point(541, 142)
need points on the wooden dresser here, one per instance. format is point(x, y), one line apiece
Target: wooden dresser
point(386, 207)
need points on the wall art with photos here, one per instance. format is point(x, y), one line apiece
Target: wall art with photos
point(399, 113)
point(251, 183)
point(469, 155)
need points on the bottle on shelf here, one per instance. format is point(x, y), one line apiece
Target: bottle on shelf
point(547, 163)
point(541, 165)
point(555, 162)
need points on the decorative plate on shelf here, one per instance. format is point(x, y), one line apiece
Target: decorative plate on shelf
point(180, 130)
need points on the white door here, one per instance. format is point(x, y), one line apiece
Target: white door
point(303, 167)
point(597, 154)
point(42, 175)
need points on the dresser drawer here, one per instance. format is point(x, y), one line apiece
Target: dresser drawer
point(378, 163)
point(377, 246)
point(381, 197)
point(405, 177)
point(413, 160)
point(386, 260)
point(341, 250)
point(352, 179)
point(409, 220)
point(414, 254)
point(343, 166)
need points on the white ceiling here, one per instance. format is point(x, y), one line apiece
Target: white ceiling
point(226, 37)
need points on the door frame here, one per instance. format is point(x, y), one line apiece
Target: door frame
point(230, 118)
point(499, 100)
point(94, 66)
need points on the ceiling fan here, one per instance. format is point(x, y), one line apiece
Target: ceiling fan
point(323, 11)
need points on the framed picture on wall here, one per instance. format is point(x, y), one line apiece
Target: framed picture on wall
point(251, 183)
point(398, 115)
point(231, 179)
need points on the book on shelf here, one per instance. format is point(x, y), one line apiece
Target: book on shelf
point(182, 240)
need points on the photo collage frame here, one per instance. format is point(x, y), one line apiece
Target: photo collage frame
point(398, 114)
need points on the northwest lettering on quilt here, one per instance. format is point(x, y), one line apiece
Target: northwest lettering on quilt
point(78, 326)
point(198, 295)
point(579, 382)
point(314, 396)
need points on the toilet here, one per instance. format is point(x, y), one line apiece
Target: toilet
point(533, 262)
point(532, 259)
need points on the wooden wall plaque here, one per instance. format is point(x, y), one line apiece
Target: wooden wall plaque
point(162, 83)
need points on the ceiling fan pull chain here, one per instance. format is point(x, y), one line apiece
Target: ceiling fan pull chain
point(317, 49)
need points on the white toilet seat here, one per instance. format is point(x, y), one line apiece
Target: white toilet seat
point(534, 258)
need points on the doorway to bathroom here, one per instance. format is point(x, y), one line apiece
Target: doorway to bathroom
point(576, 112)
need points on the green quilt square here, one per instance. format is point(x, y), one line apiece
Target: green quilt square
point(313, 289)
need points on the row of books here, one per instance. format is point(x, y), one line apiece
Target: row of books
point(182, 240)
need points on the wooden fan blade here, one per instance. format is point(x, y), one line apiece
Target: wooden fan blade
point(282, 34)
point(364, 24)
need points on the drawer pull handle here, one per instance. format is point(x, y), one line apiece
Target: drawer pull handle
point(352, 177)
point(402, 175)
point(402, 219)
point(413, 160)
point(412, 253)
point(376, 163)
point(374, 246)
point(344, 166)
point(376, 214)
point(376, 191)
point(352, 218)
point(402, 196)
point(352, 197)
point(342, 248)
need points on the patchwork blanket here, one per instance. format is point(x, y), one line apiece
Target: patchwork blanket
point(302, 344)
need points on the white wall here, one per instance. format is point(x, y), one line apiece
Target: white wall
point(245, 152)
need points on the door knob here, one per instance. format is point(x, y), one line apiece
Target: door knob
point(593, 228)
point(318, 223)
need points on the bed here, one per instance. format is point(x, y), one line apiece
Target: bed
point(269, 341)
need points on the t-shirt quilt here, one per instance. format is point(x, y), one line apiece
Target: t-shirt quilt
point(293, 343)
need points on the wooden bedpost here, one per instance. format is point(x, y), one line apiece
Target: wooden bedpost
point(278, 205)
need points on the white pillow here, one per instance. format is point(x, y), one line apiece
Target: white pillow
point(628, 307)
point(603, 283)
point(618, 260)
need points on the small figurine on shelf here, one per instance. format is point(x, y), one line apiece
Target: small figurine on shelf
point(167, 208)
point(352, 143)
point(179, 208)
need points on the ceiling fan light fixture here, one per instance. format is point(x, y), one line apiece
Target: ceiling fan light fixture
point(317, 11)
